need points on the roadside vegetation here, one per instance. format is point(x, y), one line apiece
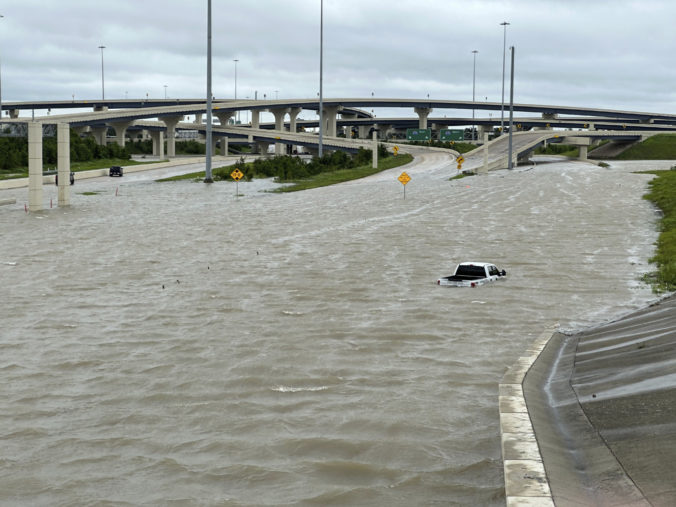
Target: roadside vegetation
point(663, 194)
point(659, 147)
point(460, 147)
point(14, 155)
point(332, 168)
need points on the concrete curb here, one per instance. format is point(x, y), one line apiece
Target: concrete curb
point(525, 477)
point(97, 173)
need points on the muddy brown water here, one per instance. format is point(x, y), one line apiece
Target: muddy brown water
point(176, 344)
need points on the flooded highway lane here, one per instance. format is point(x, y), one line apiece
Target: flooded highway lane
point(176, 343)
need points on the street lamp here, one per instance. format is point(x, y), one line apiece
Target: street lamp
point(207, 166)
point(473, 91)
point(502, 106)
point(511, 111)
point(321, 77)
point(1, 16)
point(236, 60)
point(103, 90)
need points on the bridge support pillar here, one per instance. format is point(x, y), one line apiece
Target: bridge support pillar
point(279, 114)
point(171, 122)
point(158, 143)
point(120, 131)
point(255, 118)
point(348, 128)
point(34, 166)
point(224, 117)
point(224, 146)
point(330, 113)
point(363, 131)
point(293, 117)
point(262, 147)
point(63, 162)
point(100, 134)
point(583, 153)
point(198, 119)
point(374, 149)
point(423, 113)
point(13, 113)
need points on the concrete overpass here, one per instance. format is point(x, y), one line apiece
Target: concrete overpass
point(169, 118)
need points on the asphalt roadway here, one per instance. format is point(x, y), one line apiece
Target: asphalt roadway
point(603, 407)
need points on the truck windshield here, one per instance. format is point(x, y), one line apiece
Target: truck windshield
point(471, 271)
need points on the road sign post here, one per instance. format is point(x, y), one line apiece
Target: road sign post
point(404, 179)
point(236, 175)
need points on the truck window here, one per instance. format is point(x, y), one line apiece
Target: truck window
point(493, 271)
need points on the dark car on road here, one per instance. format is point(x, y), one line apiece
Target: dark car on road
point(115, 170)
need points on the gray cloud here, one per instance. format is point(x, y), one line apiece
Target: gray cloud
point(601, 53)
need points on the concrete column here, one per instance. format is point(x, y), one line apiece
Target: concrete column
point(255, 118)
point(171, 122)
point(363, 131)
point(423, 113)
point(34, 166)
point(100, 109)
point(224, 117)
point(14, 114)
point(198, 118)
point(348, 128)
point(262, 147)
point(374, 163)
point(63, 162)
point(120, 131)
point(224, 146)
point(279, 113)
point(158, 143)
point(383, 130)
point(330, 113)
point(583, 153)
point(100, 134)
point(293, 115)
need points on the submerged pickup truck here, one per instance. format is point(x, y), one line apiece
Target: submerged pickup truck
point(471, 274)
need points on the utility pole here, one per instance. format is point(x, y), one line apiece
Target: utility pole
point(511, 110)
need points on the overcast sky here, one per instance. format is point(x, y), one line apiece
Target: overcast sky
point(612, 54)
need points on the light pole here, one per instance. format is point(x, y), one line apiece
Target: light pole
point(473, 93)
point(321, 77)
point(502, 106)
point(165, 92)
point(103, 89)
point(511, 110)
point(207, 169)
point(236, 60)
point(1, 16)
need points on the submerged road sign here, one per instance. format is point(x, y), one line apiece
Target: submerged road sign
point(404, 178)
point(236, 175)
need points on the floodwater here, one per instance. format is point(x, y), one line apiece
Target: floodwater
point(175, 344)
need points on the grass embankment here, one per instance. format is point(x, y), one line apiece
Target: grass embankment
point(659, 147)
point(460, 147)
point(341, 175)
point(663, 194)
point(319, 180)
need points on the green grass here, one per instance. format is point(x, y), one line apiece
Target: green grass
point(659, 147)
point(341, 175)
point(663, 194)
point(198, 176)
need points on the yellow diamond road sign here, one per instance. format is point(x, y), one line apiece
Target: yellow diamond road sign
point(236, 175)
point(404, 178)
point(460, 159)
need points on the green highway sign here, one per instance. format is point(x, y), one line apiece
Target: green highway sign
point(451, 135)
point(418, 134)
